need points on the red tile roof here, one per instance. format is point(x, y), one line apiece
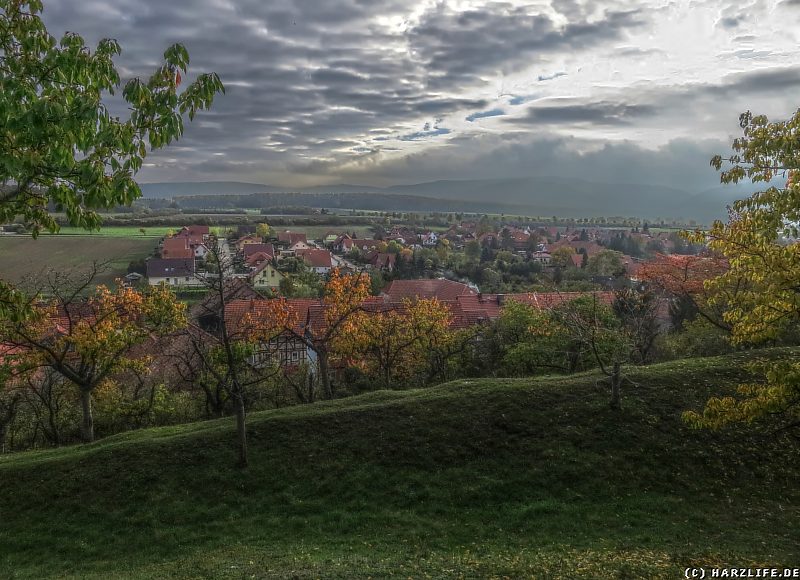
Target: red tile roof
point(258, 258)
point(292, 237)
point(466, 309)
point(250, 249)
point(195, 231)
point(397, 290)
point(316, 258)
point(176, 248)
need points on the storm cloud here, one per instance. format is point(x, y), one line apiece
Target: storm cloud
point(319, 91)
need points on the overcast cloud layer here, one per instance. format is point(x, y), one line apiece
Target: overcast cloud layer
point(400, 91)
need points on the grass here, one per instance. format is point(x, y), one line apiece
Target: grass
point(472, 479)
point(21, 256)
point(118, 231)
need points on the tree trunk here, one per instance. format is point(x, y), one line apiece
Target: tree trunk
point(5, 421)
point(616, 380)
point(55, 435)
point(324, 374)
point(87, 428)
point(241, 430)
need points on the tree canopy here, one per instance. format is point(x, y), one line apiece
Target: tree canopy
point(759, 242)
point(61, 148)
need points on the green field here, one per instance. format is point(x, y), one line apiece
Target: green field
point(524, 478)
point(117, 231)
point(22, 256)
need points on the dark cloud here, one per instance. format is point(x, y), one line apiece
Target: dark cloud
point(322, 88)
point(456, 47)
point(681, 163)
point(485, 114)
point(767, 80)
point(600, 113)
point(730, 22)
point(541, 78)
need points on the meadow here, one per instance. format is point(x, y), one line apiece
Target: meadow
point(479, 478)
point(22, 257)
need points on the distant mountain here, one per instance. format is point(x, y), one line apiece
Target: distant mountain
point(169, 190)
point(562, 196)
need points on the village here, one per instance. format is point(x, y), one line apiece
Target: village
point(269, 260)
point(472, 269)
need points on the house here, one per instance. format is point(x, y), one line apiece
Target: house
point(349, 244)
point(207, 313)
point(287, 349)
point(541, 257)
point(429, 239)
point(199, 232)
point(265, 275)
point(252, 249)
point(177, 248)
point(254, 260)
point(330, 238)
point(319, 261)
point(245, 240)
point(441, 289)
point(173, 272)
point(300, 245)
point(195, 238)
point(382, 261)
point(291, 238)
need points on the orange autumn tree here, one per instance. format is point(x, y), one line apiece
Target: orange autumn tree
point(394, 342)
point(684, 278)
point(344, 296)
point(88, 341)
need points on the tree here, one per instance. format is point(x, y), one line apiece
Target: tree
point(638, 311)
point(522, 341)
point(263, 230)
point(594, 329)
point(683, 278)
point(226, 364)
point(343, 297)
point(472, 250)
point(394, 342)
point(606, 263)
point(10, 391)
point(61, 145)
point(562, 257)
point(759, 243)
point(90, 340)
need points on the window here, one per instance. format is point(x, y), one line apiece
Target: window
point(295, 355)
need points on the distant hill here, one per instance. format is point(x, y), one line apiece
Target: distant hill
point(169, 190)
point(357, 201)
point(562, 196)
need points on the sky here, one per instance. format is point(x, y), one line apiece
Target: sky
point(382, 92)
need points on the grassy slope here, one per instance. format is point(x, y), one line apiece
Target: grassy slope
point(478, 478)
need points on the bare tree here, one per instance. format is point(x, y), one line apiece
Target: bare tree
point(593, 326)
point(227, 366)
